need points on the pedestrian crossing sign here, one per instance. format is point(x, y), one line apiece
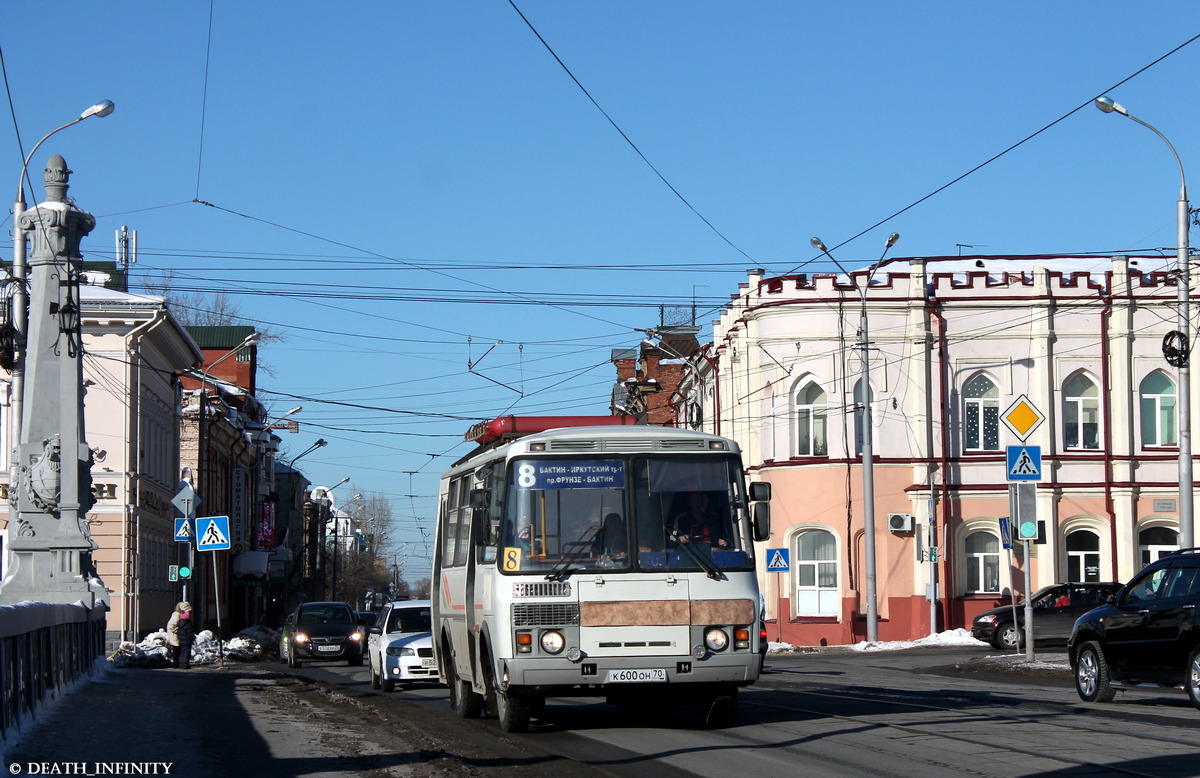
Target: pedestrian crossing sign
point(777, 560)
point(212, 533)
point(185, 530)
point(1024, 463)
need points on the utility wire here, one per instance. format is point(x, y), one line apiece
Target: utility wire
point(995, 157)
point(617, 127)
point(204, 97)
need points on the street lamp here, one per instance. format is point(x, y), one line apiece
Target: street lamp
point(20, 297)
point(320, 442)
point(275, 423)
point(1177, 346)
point(868, 454)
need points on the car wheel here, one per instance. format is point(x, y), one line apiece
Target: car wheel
point(375, 682)
point(1092, 679)
point(1008, 637)
point(389, 685)
point(1192, 678)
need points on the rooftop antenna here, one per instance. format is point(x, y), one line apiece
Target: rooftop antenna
point(962, 246)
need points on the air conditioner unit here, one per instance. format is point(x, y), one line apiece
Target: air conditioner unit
point(900, 522)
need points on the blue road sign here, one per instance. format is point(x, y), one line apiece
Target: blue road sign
point(1005, 532)
point(1024, 463)
point(777, 560)
point(185, 530)
point(212, 533)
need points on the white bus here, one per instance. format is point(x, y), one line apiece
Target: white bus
point(614, 561)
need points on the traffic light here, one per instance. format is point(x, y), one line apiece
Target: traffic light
point(1027, 529)
point(185, 572)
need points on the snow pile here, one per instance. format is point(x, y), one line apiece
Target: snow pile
point(953, 637)
point(249, 645)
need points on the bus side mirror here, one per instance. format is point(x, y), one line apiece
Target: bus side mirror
point(479, 499)
point(760, 491)
point(762, 521)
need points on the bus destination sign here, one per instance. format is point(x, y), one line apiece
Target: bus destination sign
point(571, 474)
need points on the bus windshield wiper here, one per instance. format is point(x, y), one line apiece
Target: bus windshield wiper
point(707, 565)
point(578, 547)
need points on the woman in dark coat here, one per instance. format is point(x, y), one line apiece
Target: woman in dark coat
point(186, 632)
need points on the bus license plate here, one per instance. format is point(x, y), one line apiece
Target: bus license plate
point(637, 676)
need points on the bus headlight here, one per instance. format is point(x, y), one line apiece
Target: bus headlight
point(553, 642)
point(716, 639)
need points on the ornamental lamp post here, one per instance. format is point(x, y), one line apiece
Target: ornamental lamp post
point(1177, 344)
point(20, 297)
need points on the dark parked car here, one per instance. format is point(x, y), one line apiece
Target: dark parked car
point(1055, 610)
point(322, 632)
point(1149, 633)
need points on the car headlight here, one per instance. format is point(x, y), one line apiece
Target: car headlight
point(400, 651)
point(300, 637)
point(985, 619)
point(716, 639)
point(356, 636)
point(553, 642)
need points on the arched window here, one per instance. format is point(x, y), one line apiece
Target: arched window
point(1083, 556)
point(812, 439)
point(1156, 542)
point(1081, 414)
point(981, 415)
point(815, 563)
point(1158, 410)
point(983, 563)
point(860, 414)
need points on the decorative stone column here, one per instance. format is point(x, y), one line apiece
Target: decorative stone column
point(51, 474)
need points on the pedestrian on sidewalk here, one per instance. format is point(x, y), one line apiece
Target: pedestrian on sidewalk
point(173, 631)
point(185, 630)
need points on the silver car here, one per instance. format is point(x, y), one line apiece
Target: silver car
point(400, 645)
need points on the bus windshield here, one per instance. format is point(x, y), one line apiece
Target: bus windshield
point(614, 514)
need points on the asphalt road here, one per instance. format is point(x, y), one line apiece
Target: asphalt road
point(914, 712)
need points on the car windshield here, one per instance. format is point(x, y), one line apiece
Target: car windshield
point(329, 614)
point(409, 620)
point(619, 514)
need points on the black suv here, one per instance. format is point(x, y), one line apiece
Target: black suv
point(1055, 609)
point(1149, 633)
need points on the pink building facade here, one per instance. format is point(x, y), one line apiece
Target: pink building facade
point(952, 347)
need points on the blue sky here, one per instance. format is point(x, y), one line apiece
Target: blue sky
point(404, 189)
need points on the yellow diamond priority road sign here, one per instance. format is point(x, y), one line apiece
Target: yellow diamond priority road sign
point(1022, 417)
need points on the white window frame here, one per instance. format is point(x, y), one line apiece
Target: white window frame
point(1076, 410)
point(986, 408)
point(815, 599)
point(978, 562)
point(811, 442)
point(1157, 414)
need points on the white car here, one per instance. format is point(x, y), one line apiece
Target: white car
point(400, 645)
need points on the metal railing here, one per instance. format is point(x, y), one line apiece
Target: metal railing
point(44, 647)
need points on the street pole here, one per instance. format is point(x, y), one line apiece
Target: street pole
point(868, 454)
point(1183, 321)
